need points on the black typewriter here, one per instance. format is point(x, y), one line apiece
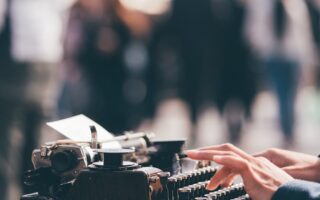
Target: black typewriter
point(158, 171)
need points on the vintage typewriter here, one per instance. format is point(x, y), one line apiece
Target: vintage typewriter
point(143, 169)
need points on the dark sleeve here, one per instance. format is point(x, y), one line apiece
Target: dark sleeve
point(298, 190)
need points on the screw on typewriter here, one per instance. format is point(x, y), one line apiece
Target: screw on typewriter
point(166, 155)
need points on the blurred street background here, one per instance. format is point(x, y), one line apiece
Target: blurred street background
point(211, 71)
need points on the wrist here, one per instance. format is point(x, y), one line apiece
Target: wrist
point(316, 170)
point(308, 169)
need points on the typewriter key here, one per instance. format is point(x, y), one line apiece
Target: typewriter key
point(184, 193)
point(192, 190)
point(184, 180)
point(172, 187)
point(212, 196)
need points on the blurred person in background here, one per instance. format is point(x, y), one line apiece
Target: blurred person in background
point(199, 54)
point(31, 49)
point(314, 14)
point(106, 60)
point(94, 48)
point(2, 13)
point(279, 32)
point(5, 61)
point(140, 18)
point(237, 79)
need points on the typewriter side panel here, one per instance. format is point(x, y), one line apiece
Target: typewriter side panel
point(103, 185)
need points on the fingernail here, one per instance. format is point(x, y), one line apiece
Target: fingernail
point(216, 158)
point(190, 152)
point(187, 151)
point(211, 187)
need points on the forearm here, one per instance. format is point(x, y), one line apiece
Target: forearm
point(298, 190)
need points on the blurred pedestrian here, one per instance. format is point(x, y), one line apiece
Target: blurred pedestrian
point(314, 14)
point(279, 30)
point(236, 78)
point(31, 50)
point(201, 56)
point(94, 48)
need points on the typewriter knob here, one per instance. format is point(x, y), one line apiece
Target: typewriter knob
point(113, 159)
point(166, 156)
point(169, 146)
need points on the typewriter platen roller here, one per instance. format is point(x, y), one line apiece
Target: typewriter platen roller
point(113, 176)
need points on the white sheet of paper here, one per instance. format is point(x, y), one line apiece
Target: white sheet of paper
point(78, 128)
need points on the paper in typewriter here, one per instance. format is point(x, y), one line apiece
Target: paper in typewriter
point(77, 128)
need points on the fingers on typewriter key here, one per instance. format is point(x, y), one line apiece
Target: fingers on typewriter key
point(205, 154)
point(236, 163)
point(228, 180)
point(219, 177)
point(227, 147)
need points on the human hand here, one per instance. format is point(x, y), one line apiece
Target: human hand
point(298, 165)
point(261, 178)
